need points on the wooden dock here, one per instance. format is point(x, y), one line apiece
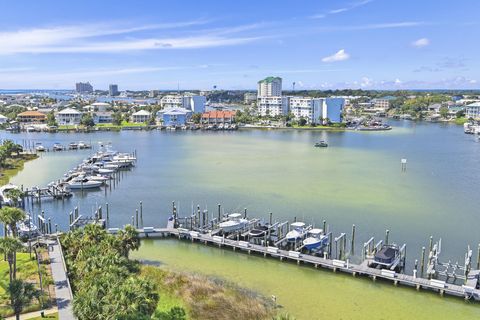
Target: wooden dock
point(467, 291)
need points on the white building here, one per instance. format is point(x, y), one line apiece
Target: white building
point(308, 108)
point(141, 116)
point(270, 87)
point(473, 111)
point(194, 103)
point(272, 106)
point(68, 116)
point(97, 106)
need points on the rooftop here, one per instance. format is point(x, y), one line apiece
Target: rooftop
point(269, 79)
point(69, 111)
point(31, 114)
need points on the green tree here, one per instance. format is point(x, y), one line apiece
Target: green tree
point(197, 117)
point(9, 247)
point(460, 113)
point(16, 196)
point(117, 118)
point(129, 240)
point(443, 112)
point(302, 122)
point(87, 120)
point(10, 217)
point(21, 294)
point(51, 121)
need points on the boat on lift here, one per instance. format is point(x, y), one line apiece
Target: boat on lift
point(258, 232)
point(298, 230)
point(234, 222)
point(57, 147)
point(26, 228)
point(316, 239)
point(387, 256)
point(39, 147)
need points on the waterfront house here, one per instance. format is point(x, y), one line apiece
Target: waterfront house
point(173, 117)
point(473, 111)
point(217, 117)
point(3, 119)
point(97, 106)
point(141, 116)
point(383, 102)
point(31, 117)
point(68, 116)
point(102, 117)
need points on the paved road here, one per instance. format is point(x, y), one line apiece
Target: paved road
point(63, 291)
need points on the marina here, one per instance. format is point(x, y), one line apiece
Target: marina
point(180, 166)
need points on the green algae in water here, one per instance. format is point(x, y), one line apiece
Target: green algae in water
point(305, 292)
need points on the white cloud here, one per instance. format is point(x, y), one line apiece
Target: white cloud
point(341, 55)
point(91, 38)
point(420, 43)
point(366, 82)
point(398, 81)
point(343, 9)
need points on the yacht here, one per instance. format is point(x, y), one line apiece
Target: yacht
point(80, 183)
point(315, 239)
point(57, 147)
point(298, 229)
point(321, 144)
point(235, 222)
point(39, 147)
point(4, 194)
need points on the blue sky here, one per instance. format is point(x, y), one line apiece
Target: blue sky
point(322, 44)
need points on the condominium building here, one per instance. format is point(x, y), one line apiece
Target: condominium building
point(309, 109)
point(272, 106)
point(270, 87)
point(83, 87)
point(194, 103)
point(113, 90)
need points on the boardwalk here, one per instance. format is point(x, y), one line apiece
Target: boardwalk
point(63, 292)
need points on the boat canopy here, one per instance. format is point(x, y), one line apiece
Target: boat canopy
point(298, 225)
point(234, 215)
point(315, 232)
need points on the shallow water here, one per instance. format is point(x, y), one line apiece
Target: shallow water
point(305, 292)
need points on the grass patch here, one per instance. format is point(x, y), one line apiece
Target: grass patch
point(461, 120)
point(26, 270)
point(207, 298)
point(13, 166)
point(52, 316)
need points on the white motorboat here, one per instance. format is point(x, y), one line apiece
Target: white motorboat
point(73, 145)
point(315, 239)
point(79, 183)
point(4, 194)
point(39, 147)
point(98, 178)
point(83, 145)
point(27, 228)
point(104, 171)
point(298, 229)
point(235, 222)
point(57, 147)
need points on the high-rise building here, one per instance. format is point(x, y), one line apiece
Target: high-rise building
point(272, 106)
point(113, 90)
point(83, 87)
point(194, 103)
point(270, 87)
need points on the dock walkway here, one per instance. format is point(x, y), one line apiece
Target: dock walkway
point(63, 291)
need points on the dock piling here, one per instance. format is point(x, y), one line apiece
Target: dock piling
point(352, 249)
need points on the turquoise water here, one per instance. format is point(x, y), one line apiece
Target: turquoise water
point(356, 180)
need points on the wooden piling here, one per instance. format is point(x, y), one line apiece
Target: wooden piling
point(422, 262)
point(136, 218)
point(387, 233)
point(219, 213)
point(352, 249)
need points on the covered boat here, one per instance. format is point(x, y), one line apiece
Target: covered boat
point(235, 222)
point(387, 255)
point(258, 231)
point(298, 229)
point(316, 239)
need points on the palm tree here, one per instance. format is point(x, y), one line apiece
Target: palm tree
point(9, 247)
point(129, 240)
point(21, 293)
point(10, 217)
point(15, 195)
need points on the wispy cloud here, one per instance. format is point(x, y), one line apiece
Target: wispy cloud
point(346, 8)
point(375, 26)
point(91, 38)
point(340, 55)
point(420, 43)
